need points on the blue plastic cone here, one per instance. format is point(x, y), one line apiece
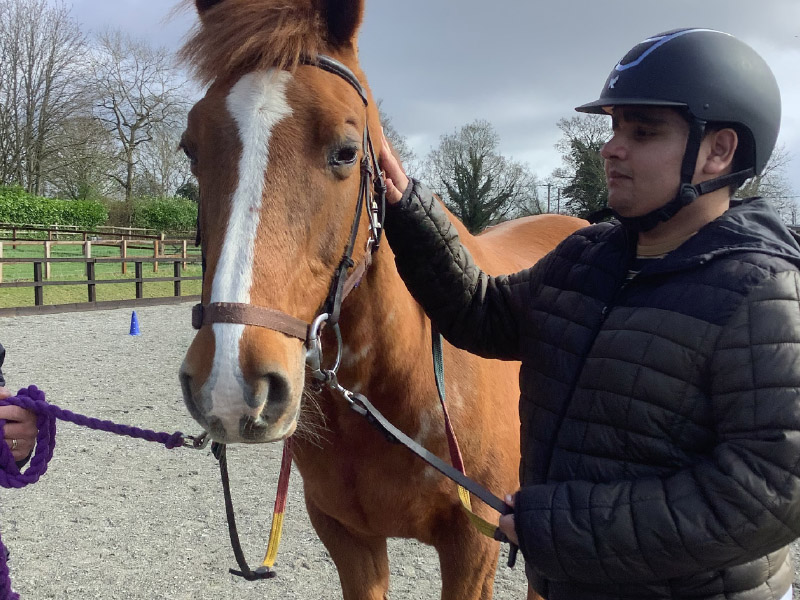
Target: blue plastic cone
point(135, 324)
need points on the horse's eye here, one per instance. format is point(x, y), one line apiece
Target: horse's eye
point(344, 156)
point(189, 154)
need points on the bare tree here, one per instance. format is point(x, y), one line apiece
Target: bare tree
point(773, 185)
point(41, 52)
point(591, 129)
point(85, 154)
point(399, 143)
point(163, 168)
point(481, 186)
point(137, 89)
point(582, 177)
point(9, 58)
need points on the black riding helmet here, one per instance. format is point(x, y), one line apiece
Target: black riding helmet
point(716, 79)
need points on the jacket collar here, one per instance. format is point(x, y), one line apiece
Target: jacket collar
point(750, 225)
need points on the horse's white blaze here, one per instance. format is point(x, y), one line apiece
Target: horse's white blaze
point(257, 103)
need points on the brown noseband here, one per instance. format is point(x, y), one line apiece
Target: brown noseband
point(372, 194)
point(247, 314)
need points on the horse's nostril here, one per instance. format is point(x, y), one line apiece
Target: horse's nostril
point(188, 397)
point(276, 396)
point(186, 384)
point(272, 394)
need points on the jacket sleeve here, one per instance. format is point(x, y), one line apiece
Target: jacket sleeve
point(472, 310)
point(737, 503)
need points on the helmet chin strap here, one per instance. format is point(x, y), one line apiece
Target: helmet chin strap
point(688, 192)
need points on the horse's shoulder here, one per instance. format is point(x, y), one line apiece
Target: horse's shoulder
point(519, 243)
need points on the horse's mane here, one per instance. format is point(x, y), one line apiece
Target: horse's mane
point(238, 36)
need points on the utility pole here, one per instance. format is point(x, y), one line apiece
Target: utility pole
point(549, 185)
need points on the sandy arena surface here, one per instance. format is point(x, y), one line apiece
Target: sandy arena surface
point(119, 518)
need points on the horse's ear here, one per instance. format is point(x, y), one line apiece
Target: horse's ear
point(204, 5)
point(344, 19)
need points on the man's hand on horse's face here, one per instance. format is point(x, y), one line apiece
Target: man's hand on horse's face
point(396, 179)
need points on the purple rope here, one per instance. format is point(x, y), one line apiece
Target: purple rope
point(32, 399)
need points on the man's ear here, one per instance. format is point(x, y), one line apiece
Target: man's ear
point(719, 148)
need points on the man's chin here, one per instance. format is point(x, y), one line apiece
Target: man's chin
point(622, 208)
point(627, 207)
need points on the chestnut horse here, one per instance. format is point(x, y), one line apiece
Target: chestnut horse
point(276, 146)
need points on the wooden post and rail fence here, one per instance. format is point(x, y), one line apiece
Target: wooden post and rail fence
point(158, 246)
point(55, 232)
point(128, 240)
point(40, 265)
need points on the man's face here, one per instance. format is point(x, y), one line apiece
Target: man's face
point(643, 158)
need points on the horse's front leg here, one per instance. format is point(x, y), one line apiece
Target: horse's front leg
point(468, 560)
point(362, 562)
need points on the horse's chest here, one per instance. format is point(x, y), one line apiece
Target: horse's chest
point(370, 486)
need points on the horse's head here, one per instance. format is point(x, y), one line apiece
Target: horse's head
point(277, 145)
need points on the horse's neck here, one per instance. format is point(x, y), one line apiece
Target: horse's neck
point(385, 333)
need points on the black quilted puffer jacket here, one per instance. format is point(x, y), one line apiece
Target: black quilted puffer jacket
point(660, 418)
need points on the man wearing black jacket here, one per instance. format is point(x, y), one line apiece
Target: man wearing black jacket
point(660, 378)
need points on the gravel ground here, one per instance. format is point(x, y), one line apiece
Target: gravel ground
point(118, 518)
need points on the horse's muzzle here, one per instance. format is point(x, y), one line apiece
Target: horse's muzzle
point(262, 414)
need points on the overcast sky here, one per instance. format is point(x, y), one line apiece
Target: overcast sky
point(520, 64)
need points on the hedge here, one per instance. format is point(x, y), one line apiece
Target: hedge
point(19, 207)
point(165, 214)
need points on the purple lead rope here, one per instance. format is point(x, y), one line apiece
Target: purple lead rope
point(32, 399)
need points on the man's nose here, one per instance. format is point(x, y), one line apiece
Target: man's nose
point(613, 148)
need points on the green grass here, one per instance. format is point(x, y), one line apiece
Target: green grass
point(66, 294)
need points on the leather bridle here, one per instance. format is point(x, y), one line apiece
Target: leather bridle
point(372, 197)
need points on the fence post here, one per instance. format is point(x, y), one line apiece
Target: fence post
point(90, 278)
point(1, 262)
point(13, 237)
point(139, 283)
point(155, 255)
point(38, 290)
point(184, 254)
point(87, 249)
point(47, 248)
point(123, 253)
point(176, 271)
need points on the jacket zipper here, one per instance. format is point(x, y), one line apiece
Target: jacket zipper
point(604, 312)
